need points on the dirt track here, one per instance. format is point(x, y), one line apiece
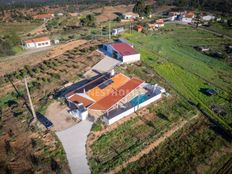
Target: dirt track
point(32, 57)
point(153, 145)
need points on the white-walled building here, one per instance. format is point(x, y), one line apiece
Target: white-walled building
point(112, 97)
point(123, 52)
point(130, 16)
point(188, 17)
point(208, 18)
point(37, 43)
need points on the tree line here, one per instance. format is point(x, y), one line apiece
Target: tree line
point(224, 6)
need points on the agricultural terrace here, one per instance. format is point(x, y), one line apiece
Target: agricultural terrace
point(194, 149)
point(35, 147)
point(170, 53)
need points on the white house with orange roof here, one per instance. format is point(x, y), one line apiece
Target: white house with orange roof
point(112, 97)
point(188, 17)
point(37, 43)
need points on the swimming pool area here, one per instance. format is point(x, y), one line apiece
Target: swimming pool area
point(139, 99)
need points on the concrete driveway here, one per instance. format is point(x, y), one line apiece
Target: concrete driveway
point(73, 140)
point(105, 65)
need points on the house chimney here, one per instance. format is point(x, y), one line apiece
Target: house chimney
point(112, 72)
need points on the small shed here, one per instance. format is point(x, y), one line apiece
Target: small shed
point(211, 92)
point(139, 28)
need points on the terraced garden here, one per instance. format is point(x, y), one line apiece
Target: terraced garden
point(187, 149)
point(117, 146)
point(169, 59)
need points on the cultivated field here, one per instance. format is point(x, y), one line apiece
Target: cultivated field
point(169, 59)
point(190, 149)
point(171, 54)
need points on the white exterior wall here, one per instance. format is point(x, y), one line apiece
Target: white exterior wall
point(187, 20)
point(78, 114)
point(131, 58)
point(127, 16)
point(208, 18)
point(132, 110)
point(30, 45)
point(43, 44)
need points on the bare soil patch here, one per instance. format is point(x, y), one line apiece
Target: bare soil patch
point(59, 116)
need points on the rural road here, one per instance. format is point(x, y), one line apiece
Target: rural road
point(74, 140)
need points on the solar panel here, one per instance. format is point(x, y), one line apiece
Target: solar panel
point(105, 84)
point(47, 123)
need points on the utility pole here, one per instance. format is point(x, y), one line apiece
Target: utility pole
point(30, 101)
point(109, 31)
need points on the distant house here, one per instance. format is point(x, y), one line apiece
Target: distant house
point(60, 14)
point(139, 28)
point(37, 43)
point(43, 16)
point(188, 17)
point(56, 41)
point(73, 14)
point(208, 18)
point(130, 16)
point(151, 26)
point(122, 51)
point(159, 23)
point(172, 16)
point(117, 31)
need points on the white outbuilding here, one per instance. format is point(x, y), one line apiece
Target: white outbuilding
point(208, 18)
point(123, 52)
point(37, 43)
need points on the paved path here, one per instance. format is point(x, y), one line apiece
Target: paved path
point(73, 140)
point(105, 65)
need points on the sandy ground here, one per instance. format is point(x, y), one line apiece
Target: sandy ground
point(59, 116)
point(35, 56)
point(153, 145)
point(109, 12)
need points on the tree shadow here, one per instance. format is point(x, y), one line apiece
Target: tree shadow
point(162, 116)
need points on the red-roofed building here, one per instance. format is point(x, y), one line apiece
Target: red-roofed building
point(37, 43)
point(116, 96)
point(113, 99)
point(159, 23)
point(188, 17)
point(43, 16)
point(139, 28)
point(123, 52)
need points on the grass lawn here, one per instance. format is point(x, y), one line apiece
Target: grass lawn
point(221, 28)
point(19, 28)
point(171, 54)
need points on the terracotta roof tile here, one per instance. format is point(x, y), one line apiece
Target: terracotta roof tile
point(40, 39)
point(79, 99)
point(124, 49)
point(98, 93)
point(117, 95)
